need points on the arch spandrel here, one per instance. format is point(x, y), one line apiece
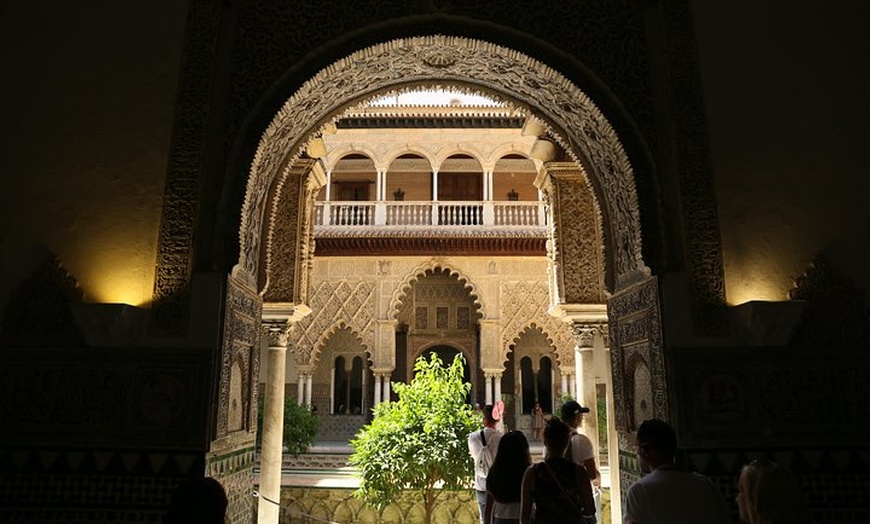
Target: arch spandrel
point(330, 300)
point(314, 355)
point(572, 119)
point(557, 341)
point(524, 304)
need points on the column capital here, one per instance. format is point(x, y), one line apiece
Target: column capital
point(277, 334)
point(584, 335)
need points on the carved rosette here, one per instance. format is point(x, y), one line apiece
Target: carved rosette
point(578, 125)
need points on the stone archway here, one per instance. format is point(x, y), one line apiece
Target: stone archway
point(569, 115)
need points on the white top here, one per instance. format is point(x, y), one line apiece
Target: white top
point(668, 496)
point(475, 445)
point(580, 448)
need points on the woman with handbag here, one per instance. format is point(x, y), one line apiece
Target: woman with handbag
point(557, 490)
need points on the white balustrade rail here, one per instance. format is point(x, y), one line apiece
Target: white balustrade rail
point(429, 213)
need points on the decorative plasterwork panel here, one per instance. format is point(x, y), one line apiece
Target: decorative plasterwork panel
point(290, 236)
point(335, 305)
point(525, 305)
point(576, 236)
point(182, 192)
point(575, 121)
point(103, 398)
point(240, 361)
point(693, 168)
point(637, 354)
point(733, 397)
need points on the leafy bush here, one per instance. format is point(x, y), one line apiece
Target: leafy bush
point(419, 442)
point(300, 426)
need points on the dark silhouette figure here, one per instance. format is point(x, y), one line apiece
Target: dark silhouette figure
point(197, 501)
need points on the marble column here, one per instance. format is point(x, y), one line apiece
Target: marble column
point(584, 335)
point(378, 379)
point(309, 382)
point(387, 392)
point(612, 437)
point(564, 384)
point(271, 455)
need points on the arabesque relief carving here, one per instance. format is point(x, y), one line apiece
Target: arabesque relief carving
point(578, 259)
point(240, 347)
point(637, 356)
point(353, 302)
point(524, 304)
point(290, 235)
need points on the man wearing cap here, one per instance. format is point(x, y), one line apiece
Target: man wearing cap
point(580, 448)
point(484, 440)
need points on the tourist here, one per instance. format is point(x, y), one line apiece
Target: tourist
point(537, 422)
point(483, 446)
point(768, 493)
point(200, 500)
point(580, 449)
point(556, 489)
point(505, 479)
point(667, 495)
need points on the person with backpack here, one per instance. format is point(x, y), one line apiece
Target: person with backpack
point(556, 490)
point(580, 450)
point(483, 446)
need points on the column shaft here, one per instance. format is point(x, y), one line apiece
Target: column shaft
point(377, 389)
point(273, 437)
point(309, 379)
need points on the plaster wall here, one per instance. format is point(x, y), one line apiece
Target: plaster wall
point(89, 92)
point(785, 87)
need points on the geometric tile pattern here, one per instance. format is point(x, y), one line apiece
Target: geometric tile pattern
point(94, 486)
point(835, 481)
point(235, 471)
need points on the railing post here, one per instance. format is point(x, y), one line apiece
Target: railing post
point(434, 221)
point(380, 213)
point(488, 213)
point(327, 214)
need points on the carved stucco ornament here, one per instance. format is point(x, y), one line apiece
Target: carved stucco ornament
point(572, 119)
